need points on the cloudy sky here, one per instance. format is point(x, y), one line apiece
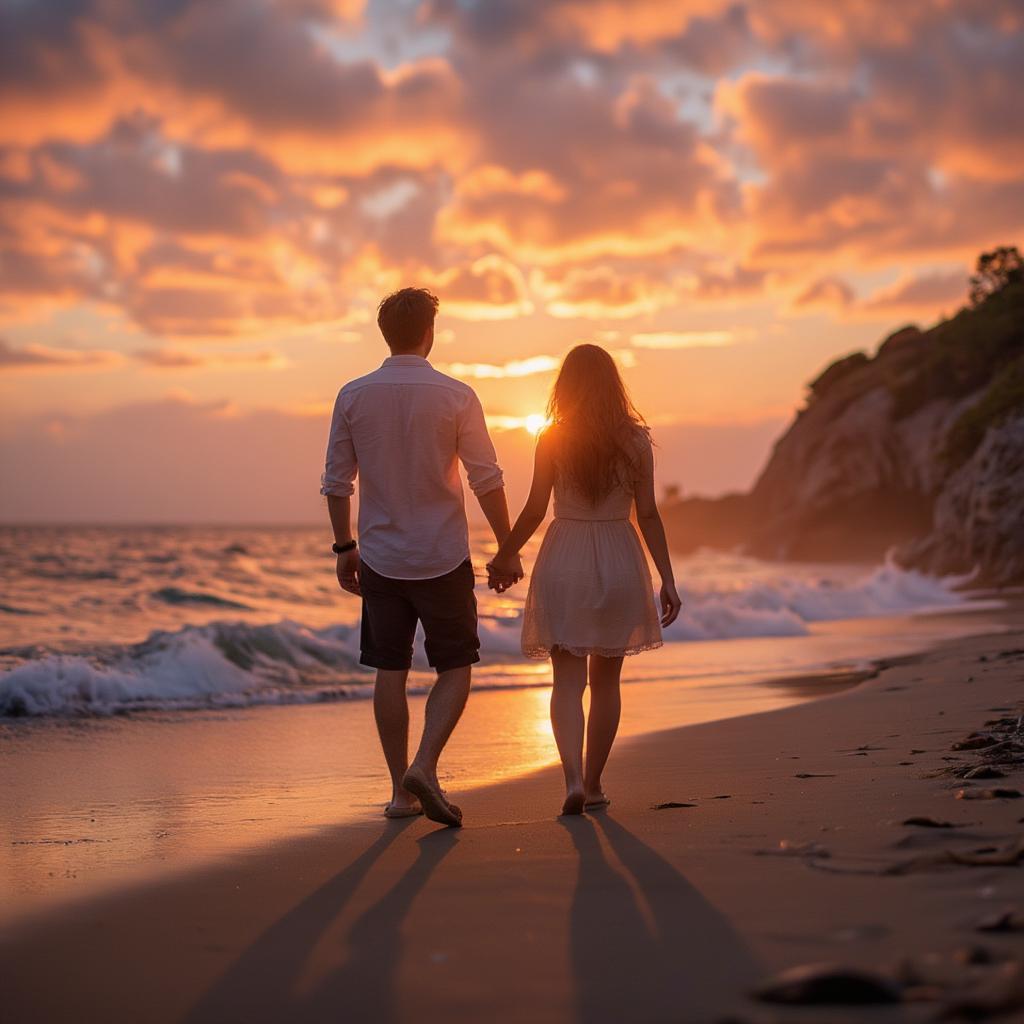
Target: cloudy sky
point(201, 203)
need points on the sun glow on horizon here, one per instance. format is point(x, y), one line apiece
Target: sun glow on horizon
point(535, 423)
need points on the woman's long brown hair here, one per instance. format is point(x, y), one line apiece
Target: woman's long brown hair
point(594, 424)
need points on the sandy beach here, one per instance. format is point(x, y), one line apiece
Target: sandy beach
point(789, 848)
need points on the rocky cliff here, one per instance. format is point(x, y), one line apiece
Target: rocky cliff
point(918, 450)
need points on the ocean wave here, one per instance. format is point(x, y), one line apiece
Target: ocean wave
point(10, 609)
point(175, 595)
point(223, 664)
point(64, 575)
point(789, 606)
point(237, 664)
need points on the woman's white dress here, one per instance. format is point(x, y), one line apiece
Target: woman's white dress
point(591, 590)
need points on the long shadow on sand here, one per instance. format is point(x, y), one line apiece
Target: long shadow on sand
point(645, 944)
point(262, 985)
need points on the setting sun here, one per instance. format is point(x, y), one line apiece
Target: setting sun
point(535, 423)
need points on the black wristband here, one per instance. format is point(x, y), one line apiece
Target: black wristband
point(340, 549)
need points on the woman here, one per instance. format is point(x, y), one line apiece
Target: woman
point(590, 601)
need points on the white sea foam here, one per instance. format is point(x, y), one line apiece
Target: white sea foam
point(787, 605)
point(218, 665)
point(234, 664)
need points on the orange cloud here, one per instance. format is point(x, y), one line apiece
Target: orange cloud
point(45, 358)
point(923, 294)
point(491, 371)
point(601, 292)
point(825, 291)
point(176, 359)
point(682, 339)
point(620, 157)
point(490, 288)
point(596, 26)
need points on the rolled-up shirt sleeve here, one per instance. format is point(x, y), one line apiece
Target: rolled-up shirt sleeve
point(476, 452)
point(340, 466)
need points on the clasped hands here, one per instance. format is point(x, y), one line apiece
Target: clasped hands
point(504, 572)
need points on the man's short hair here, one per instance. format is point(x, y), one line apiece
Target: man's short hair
point(404, 316)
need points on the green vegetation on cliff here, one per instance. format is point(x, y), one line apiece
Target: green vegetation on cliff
point(918, 448)
point(1004, 397)
point(959, 356)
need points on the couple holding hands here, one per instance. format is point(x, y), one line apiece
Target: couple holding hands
point(403, 429)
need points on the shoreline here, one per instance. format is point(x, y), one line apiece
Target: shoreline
point(95, 805)
point(636, 914)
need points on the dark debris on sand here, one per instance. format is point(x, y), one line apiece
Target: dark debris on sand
point(972, 983)
point(1006, 920)
point(829, 985)
point(1008, 855)
point(988, 794)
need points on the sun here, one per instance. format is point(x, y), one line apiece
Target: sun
point(535, 422)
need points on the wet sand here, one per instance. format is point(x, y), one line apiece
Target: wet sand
point(791, 850)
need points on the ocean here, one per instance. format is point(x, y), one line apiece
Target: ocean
point(99, 621)
point(170, 696)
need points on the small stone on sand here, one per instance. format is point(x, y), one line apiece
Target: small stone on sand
point(787, 848)
point(975, 741)
point(826, 984)
point(1003, 921)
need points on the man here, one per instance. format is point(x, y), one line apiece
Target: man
point(403, 429)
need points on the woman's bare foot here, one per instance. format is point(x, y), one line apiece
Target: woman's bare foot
point(595, 799)
point(573, 802)
point(402, 804)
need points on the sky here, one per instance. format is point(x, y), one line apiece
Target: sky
point(202, 203)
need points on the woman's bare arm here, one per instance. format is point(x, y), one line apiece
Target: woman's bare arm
point(653, 530)
point(534, 511)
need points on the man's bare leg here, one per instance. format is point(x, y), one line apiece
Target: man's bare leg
point(391, 711)
point(444, 709)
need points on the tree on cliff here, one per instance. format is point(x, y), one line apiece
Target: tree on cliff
point(994, 271)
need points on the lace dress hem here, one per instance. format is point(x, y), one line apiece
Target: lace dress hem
point(543, 653)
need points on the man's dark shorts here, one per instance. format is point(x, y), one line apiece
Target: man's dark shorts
point(446, 605)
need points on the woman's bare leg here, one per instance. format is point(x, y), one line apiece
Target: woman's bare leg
point(570, 680)
point(603, 724)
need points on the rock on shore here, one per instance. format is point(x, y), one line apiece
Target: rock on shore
point(918, 450)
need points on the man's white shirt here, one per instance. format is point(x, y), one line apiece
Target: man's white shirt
point(403, 429)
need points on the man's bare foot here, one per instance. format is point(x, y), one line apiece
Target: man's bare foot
point(573, 802)
point(435, 806)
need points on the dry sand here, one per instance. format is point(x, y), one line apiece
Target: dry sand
point(634, 914)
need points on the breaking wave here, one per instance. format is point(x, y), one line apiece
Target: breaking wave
point(237, 664)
